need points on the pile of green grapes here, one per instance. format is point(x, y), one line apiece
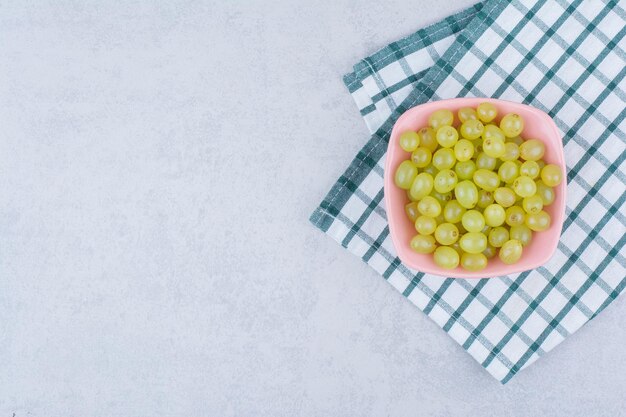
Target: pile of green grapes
point(475, 190)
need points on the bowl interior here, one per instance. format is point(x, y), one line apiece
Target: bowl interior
point(538, 125)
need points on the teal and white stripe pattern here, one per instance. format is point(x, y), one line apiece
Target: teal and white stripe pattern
point(565, 57)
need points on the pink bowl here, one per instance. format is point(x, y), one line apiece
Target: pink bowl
point(538, 125)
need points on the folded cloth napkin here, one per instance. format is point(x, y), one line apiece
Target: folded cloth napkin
point(564, 57)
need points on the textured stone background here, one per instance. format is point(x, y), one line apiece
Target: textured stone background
point(158, 163)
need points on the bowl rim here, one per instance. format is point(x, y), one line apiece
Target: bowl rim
point(403, 250)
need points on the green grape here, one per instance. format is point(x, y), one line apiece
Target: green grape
point(473, 242)
point(445, 180)
point(516, 140)
point(529, 169)
point(524, 186)
point(463, 150)
point(514, 216)
point(441, 117)
point(486, 179)
point(465, 169)
point(405, 174)
point(504, 196)
point(508, 171)
point(466, 194)
point(478, 145)
point(430, 169)
point(486, 112)
point(444, 159)
point(497, 236)
point(484, 198)
point(429, 206)
point(427, 138)
point(440, 219)
point(494, 215)
point(532, 150)
point(511, 152)
point(443, 198)
point(425, 225)
point(446, 257)
point(453, 211)
point(411, 211)
point(447, 136)
point(484, 161)
point(546, 193)
point(446, 234)
point(512, 125)
point(538, 222)
point(473, 261)
point(485, 230)
point(493, 132)
point(510, 252)
point(551, 175)
point(423, 244)
point(521, 233)
point(473, 221)
point(421, 157)
point(532, 204)
point(410, 197)
point(493, 147)
point(471, 129)
point(457, 247)
point(467, 113)
point(409, 141)
point(422, 186)
point(489, 252)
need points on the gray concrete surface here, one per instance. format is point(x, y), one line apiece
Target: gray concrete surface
point(158, 163)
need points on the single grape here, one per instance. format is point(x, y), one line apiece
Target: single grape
point(510, 252)
point(427, 138)
point(532, 150)
point(546, 193)
point(486, 112)
point(529, 169)
point(445, 180)
point(493, 132)
point(522, 233)
point(497, 236)
point(486, 179)
point(447, 136)
point(443, 198)
point(489, 252)
point(478, 145)
point(508, 171)
point(425, 225)
point(484, 161)
point(429, 206)
point(504, 196)
point(446, 257)
point(524, 186)
point(411, 211)
point(473, 221)
point(494, 215)
point(463, 150)
point(471, 129)
point(551, 175)
point(532, 204)
point(465, 169)
point(405, 174)
point(410, 197)
point(466, 194)
point(422, 186)
point(511, 151)
point(472, 242)
point(538, 222)
point(473, 261)
point(409, 141)
point(453, 211)
point(441, 117)
point(446, 234)
point(493, 147)
point(512, 125)
point(444, 159)
point(421, 157)
point(514, 216)
point(467, 113)
point(485, 198)
point(423, 244)
point(516, 140)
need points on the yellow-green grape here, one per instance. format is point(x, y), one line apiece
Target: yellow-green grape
point(485, 230)
point(443, 198)
point(489, 252)
point(508, 171)
point(551, 175)
point(532, 150)
point(463, 150)
point(446, 257)
point(484, 161)
point(524, 186)
point(444, 159)
point(429, 206)
point(466, 194)
point(446, 234)
point(445, 180)
point(532, 204)
point(478, 145)
point(421, 157)
point(493, 147)
point(430, 169)
point(408, 194)
point(457, 247)
point(493, 132)
point(538, 222)
point(427, 138)
point(486, 112)
point(439, 219)
point(529, 169)
point(494, 215)
point(511, 151)
point(465, 169)
point(485, 198)
point(447, 136)
point(516, 140)
point(423, 244)
point(504, 196)
point(546, 193)
point(441, 117)
point(409, 141)
point(473, 261)
point(422, 186)
point(510, 252)
point(486, 179)
point(472, 129)
point(541, 164)
point(425, 225)
point(521, 233)
point(512, 125)
point(514, 216)
point(473, 221)
point(467, 113)
point(411, 211)
point(473, 242)
point(405, 174)
point(497, 236)
point(453, 211)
